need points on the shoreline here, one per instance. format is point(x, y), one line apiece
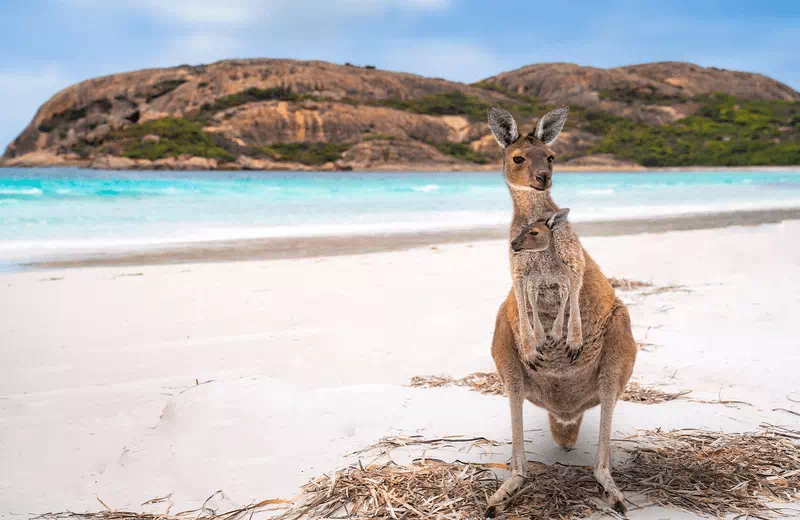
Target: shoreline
point(190, 166)
point(343, 245)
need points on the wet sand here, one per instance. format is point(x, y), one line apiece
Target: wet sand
point(306, 247)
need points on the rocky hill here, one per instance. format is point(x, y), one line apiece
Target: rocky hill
point(286, 114)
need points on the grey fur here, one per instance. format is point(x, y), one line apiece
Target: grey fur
point(549, 126)
point(503, 127)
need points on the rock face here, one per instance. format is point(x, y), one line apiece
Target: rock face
point(241, 109)
point(324, 122)
point(667, 87)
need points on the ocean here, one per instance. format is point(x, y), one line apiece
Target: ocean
point(48, 212)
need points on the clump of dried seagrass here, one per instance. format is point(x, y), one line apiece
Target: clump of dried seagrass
point(637, 393)
point(702, 472)
point(489, 383)
point(715, 473)
point(626, 284)
point(463, 444)
point(204, 512)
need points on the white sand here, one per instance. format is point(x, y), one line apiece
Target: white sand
point(309, 358)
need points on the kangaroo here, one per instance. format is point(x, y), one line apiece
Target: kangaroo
point(564, 386)
point(561, 263)
point(538, 235)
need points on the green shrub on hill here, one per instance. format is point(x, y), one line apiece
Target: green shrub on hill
point(726, 131)
point(448, 104)
point(456, 103)
point(648, 95)
point(462, 151)
point(249, 96)
point(304, 153)
point(176, 137)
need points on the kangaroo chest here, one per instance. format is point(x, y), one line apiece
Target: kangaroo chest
point(546, 270)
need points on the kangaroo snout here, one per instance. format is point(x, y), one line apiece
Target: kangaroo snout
point(541, 180)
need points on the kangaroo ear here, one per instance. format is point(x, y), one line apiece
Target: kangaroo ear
point(559, 217)
point(546, 216)
point(503, 127)
point(549, 126)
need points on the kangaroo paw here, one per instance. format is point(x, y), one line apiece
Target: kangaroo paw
point(574, 353)
point(557, 332)
point(535, 362)
point(574, 339)
point(539, 337)
point(574, 343)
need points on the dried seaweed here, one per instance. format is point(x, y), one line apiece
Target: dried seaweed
point(637, 393)
point(627, 284)
point(489, 383)
point(702, 472)
point(667, 288)
point(202, 513)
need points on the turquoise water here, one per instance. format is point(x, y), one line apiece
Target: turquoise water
point(57, 210)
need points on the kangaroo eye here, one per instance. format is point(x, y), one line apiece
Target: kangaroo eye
point(534, 233)
point(550, 159)
point(519, 159)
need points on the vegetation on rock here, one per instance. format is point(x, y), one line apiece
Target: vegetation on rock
point(175, 137)
point(726, 131)
point(660, 114)
point(304, 153)
point(463, 152)
point(647, 94)
point(448, 104)
point(249, 96)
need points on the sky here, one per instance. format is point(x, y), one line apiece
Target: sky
point(46, 45)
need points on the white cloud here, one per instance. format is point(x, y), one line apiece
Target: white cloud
point(186, 11)
point(228, 12)
point(22, 92)
point(202, 11)
point(200, 47)
point(455, 61)
point(373, 7)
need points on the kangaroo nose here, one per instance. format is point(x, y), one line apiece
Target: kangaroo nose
point(542, 179)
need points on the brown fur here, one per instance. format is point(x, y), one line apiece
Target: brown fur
point(565, 434)
point(548, 256)
point(564, 388)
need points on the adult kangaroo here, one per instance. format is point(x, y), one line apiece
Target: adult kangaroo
point(556, 380)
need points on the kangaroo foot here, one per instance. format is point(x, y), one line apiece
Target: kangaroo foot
point(613, 495)
point(501, 497)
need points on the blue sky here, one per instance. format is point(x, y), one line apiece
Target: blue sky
point(46, 45)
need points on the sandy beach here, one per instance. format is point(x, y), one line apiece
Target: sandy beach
point(125, 383)
point(316, 246)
